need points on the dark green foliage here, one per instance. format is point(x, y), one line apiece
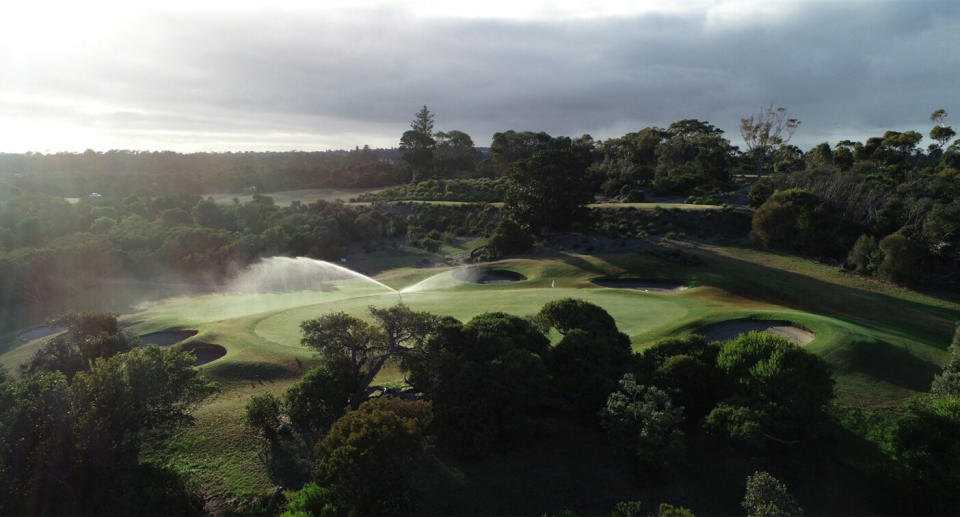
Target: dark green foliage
point(312, 500)
point(470, 190)
point(365, 459)
point(549, 190)
point(819, 157)
point(508, 238)
point(88, 337)
point(926, 445)
point(761, 190)
point(693, 154)
point(863, 257)
point(645, 422)
point(592, 356)
point(73, 446)
point(511, 146)
point(736, 423)
point(900, 259)
point(365, 348)
point(947, 382)
point(629, 195)
point(941, 229)
point(784, 386)
point(786, 221)
point(686, 369)
point(570, 314)
point(635, 509)
point(483, 377)
point(321, 396)
point(262, 414)
point(766, 496)
point(627, 509)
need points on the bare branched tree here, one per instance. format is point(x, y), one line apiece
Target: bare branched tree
point(765, 133)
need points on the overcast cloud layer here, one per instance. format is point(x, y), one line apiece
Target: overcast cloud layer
point(258, 78)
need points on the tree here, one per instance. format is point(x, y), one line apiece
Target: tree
point(900, 257)
point(366, 457)
point(766, 132)
point(455, 154)
point(645, 421)
point(87, 337)
point(766, 496)
point(549, 190)
point(947, 382)
point(341, 337)
point(417, 145)
point(322, 395)
point(941, 132)
point(926, 445)
point(786, 221)
point(78, 442)
point(483, 378)
point(820, 157)
point(783, 385)
point(693, 154)
point(863, 256)
point(423, 122)
point(262, 414)
point(592, 355)
point(512, 146)
point(508, 237)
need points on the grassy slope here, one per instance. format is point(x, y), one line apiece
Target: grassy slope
point(884, 342)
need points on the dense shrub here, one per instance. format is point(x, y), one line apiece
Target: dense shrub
point(366, 458)
point(644, 421)
point(262, 414)
point(507, 238)
point(321, 396)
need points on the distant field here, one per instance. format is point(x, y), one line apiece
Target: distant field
point(305, 196)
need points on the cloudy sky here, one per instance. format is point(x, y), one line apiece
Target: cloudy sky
point(248, 75)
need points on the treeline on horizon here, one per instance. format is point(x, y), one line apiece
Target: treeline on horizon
point(883, 207)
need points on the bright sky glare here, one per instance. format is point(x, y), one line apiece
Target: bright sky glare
point(249, 75)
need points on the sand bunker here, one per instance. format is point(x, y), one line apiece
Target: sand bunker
point(166, 338)
point(206, 352)
point(39, 332)
point(730, 329)
point(655, 286)
point(487, 276)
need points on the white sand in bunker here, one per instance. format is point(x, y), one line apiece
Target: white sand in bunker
point(654, 286)
point(730, 329)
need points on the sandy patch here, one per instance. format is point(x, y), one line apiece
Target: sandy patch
point(730, 329)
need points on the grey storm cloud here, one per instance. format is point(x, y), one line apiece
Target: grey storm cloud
point(248, 78)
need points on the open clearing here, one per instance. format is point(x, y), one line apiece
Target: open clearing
point(884, 343)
